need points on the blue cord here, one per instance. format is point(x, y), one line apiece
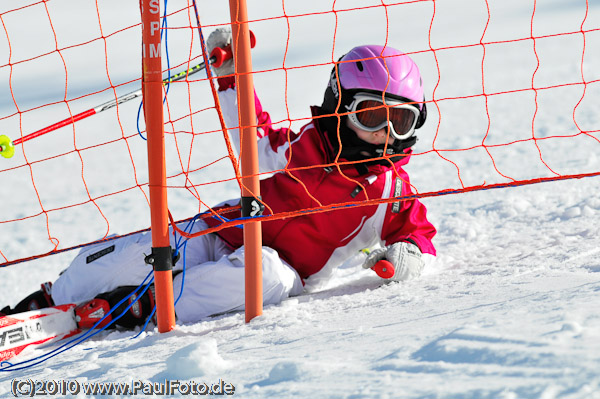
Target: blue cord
point(7, 366)
point(180, 243)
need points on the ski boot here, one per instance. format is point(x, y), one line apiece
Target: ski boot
point(89, 313)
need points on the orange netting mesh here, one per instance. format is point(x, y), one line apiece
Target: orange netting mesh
point(510, 95)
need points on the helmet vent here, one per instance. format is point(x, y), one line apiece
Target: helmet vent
point(359, 65)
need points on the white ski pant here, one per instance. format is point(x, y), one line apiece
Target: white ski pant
point(213, 281)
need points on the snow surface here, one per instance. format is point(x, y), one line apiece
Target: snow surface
point(509, 308)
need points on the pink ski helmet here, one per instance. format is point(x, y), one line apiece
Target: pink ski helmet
point(371, 72)
point(376, 69)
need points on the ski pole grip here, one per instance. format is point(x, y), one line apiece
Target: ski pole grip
point(384, 269)
point(222, 54)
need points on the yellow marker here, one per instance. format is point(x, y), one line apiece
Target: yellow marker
point(7, 149)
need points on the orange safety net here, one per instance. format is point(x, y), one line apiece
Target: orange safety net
point(498, 93)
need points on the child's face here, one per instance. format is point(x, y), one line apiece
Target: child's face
point(377, 137)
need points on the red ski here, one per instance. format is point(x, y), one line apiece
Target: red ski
point(36, 327)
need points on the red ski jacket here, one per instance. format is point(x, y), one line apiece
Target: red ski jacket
point(322, 241)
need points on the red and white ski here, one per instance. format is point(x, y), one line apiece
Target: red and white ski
point(36, 327)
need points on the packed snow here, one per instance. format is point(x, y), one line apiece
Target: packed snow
point(508, 309)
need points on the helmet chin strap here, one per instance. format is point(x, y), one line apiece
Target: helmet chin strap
point(375, 152)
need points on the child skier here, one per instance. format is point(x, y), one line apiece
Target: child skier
point(366, 124)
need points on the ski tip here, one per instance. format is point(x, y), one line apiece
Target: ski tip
point(35, 328)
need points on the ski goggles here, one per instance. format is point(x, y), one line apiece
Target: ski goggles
point(368, 112)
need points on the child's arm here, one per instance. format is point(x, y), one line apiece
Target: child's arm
point(272, 143)
point(406, 221)
point(406, 235)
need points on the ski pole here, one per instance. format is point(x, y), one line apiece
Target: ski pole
point(217, 57)
point(7, 146)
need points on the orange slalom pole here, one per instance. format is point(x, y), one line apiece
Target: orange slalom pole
point(249, 158)
point(152, 87)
